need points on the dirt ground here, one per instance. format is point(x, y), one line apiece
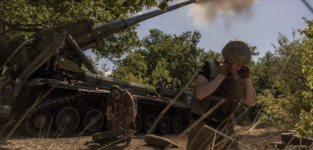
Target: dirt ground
point(257, 139)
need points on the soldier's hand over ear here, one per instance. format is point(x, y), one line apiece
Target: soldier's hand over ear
point(132, 126)
point(244, 72)
point(224, 68)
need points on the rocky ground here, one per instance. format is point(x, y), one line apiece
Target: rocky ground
point(256, 139)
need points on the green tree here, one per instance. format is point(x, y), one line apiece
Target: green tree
point(132, 68)
point(210, 55)
point(175, 56)
point(286, 102)
point(304, 127)
point(260, 72)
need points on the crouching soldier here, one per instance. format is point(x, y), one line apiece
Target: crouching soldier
point(124, 106)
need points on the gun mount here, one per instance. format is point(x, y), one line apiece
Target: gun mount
point(53, 58)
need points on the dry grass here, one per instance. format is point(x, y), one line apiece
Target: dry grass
point(65, 143)
point(257, 139)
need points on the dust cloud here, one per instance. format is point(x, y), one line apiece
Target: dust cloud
point(205, 12)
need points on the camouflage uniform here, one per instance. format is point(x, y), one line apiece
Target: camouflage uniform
point(232, 88)
point(124, 110)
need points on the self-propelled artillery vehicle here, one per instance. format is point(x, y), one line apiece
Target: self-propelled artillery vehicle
point(44, 74)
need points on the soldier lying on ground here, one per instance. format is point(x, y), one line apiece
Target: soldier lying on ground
point(124, 105)
point(227, 78)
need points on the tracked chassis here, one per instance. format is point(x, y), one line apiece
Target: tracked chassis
point(70, 108)
point(53, 58)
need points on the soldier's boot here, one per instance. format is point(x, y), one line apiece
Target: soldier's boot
point(128, 140)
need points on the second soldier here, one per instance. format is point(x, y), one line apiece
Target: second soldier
point(124, 107)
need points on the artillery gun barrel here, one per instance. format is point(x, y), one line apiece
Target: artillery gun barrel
point(116, 26)
point(87, 36)
point(105, 30)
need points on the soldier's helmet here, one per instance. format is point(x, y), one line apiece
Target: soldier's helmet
point(115, 87)
point(237, 51)
point(115, 94)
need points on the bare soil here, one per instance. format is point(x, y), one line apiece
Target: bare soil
point(256, 139)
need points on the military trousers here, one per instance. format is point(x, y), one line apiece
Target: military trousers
point(207, 137)
point(121, 118)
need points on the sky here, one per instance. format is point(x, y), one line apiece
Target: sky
point(260, 28)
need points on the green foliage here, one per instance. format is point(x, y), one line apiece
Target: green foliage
point(163, 56)
point(305, 125)
point(163, 5)
point(135, 70)
point(282, 111)
point(260, 72)
point(306, 120)
point(210, 55)
point(287, 106)
point(159, 72)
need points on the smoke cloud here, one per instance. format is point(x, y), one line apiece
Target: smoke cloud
point(205, 12)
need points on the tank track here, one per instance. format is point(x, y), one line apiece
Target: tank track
point(50, 105)
point(54, 103)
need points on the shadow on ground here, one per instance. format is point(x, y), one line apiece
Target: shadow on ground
point(10, 148)
point(259, 141)
point(6, 143)
point(149, 146)
point(118, 147)
point(111, 147)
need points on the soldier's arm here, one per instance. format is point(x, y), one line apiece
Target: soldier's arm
point(109, 108)
point(204, 88)
point(250, 95)
point(130, 105)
